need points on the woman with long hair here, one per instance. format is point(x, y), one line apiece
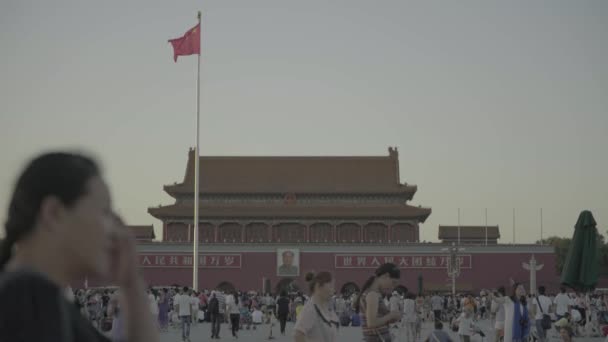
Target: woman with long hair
point(375, 315)
point(60, 228)
point(317, 322)
point(233, 309)
point(517, 319)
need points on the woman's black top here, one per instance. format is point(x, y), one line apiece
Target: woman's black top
point(34, 309)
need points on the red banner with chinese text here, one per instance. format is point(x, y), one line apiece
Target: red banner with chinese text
point(185, 260)
point(402, 261)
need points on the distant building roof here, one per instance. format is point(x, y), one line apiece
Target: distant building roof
point(468, 232)
point(322, 174)
point(143, 232)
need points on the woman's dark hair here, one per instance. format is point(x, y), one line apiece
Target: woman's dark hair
point(389, 268)
point(320, 279)
point(522, 299)
point(283, 293)
point(62, 175)
point(235, 294)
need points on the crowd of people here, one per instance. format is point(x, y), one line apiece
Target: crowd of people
point(400, 314)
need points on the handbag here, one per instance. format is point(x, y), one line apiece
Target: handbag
point(545, 322)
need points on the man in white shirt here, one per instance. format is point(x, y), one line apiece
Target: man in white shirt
point(184, 311)
point(542, 306)
point(437, 305)
point(563, 303)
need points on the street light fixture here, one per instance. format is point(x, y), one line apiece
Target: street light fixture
point(453, 266)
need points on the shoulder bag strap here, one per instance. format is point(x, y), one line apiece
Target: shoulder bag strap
point(540, 306)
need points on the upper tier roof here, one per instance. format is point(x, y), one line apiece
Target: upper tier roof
point(298, 175)
point(206, 211)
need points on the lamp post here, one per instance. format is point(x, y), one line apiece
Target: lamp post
point(453, 265)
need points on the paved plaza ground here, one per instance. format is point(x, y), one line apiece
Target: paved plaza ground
point(202, 332)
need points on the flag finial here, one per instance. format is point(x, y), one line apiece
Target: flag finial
point(199, 15)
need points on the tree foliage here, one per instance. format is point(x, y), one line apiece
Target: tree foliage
point(561, 245)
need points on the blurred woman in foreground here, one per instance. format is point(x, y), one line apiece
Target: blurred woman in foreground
point(61, 228)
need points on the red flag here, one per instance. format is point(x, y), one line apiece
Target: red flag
point(189, 44)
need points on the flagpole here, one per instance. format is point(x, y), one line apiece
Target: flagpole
point(458, 226)
point(196, 170)
point(513, 225)
point(486, 226)
point(541, 226)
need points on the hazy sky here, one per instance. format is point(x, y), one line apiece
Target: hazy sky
point(493, 104)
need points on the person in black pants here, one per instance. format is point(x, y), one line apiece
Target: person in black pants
point(283, 310)
point(214, 311)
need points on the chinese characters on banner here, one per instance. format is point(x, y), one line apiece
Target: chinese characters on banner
point(185, 260)
point(402, 261)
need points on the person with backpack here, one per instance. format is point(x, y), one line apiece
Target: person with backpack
point(214, 312)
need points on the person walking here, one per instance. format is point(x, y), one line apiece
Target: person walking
point(410, 318)
point(184, 311)
point(437, 305)
point(375, 316)
point(196, 303)
point(233, 309)
point(317, 322)
point(163, 310)
point(214, 311)
point(542, 308)
point(283, 310)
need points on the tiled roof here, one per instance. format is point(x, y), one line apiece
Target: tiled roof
point(283, 175)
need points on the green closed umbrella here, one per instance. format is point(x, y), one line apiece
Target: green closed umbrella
point(581, 269)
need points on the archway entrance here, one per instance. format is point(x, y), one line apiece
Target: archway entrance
point(226, 287)
point(287, 284)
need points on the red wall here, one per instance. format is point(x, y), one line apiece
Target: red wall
point(488, 270)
